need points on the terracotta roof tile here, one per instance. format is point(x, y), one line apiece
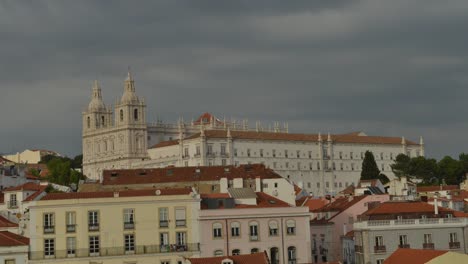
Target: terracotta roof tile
point(263, 201)
point(394, 208)
point(6, 223)
point(4, 160)
point(186, 174)
point(110, 194)
point(343, 138)
point(8, 239)
point(312, 203)
point(413, 256)
point(29, 186)
point(256, 258)
point(436, 188)
point(166, 143)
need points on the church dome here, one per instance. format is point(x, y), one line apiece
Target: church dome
point(129, 96)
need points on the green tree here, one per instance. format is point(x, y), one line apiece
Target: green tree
point(401, 165)
point(425, 169)
point(77, 162)
point(451, 170)
point(369, 167)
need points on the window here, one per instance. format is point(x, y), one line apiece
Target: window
point(88, 122)
point(121, 115)
point(298, 153)
point(351, 155)
point(453, 238)
point(10, 261)
point(254, 250)
point(71, 246)
point(253, 228)
point(223, 162)
point(340, 155)
point(327, 184)
point(186, 152)
point(427, 238)
point(274, 165)
point(48, 223)
point(298, 166)
point(378, 241)
point(291, 227)
point(286, 153)
point(180, 238)
point(209, 151)
point(318, 165)
point(309, 185)
point(135, 114)
point(381, 155)
point(94, 245)
point(273, 152)
point(218, 253)
point(362, 155)
point(352, 166)
point(286, 165)
point(235, 229)
point(235, 152)
point(310, 154)
point(318, 184)
point(164, 242)
point(13, 201)
point(248, 152)
point(49, 247)
point(70, 221)
point(273, 227)
point(261, 152)
point(93, 220)
point(403, 241)
point(163, 217)
point(129, 243)
point(165, 262)
point(236, 252)
point(197, 150)
point(380, 261)
point(391, 156)
point(291, 255)
point(217, 230)
point(129, 219)
point(103, 121)
point(180, 217)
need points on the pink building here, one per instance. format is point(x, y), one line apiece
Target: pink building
point(243, 222)
point(334, 220)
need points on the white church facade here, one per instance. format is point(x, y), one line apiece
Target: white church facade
point(320, 164)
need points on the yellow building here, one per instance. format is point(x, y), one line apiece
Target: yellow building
point(124, 227)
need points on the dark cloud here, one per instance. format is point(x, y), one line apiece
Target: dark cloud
point(385, 67)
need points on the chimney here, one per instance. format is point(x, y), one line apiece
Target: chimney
point(436, 208)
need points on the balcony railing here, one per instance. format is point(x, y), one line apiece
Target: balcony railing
point(417, 223)
point(116, 251)
point(12, 204)
point(181, 222)
point(129, 225)
point(358, 248)
point(454, 245)
point(93, 227)
point(197, 155)
point(428, 245)
point(163, 223)
point(71, 228)
point(49, 229)
point(404, 246)
point(253, 237)
point(380, 249)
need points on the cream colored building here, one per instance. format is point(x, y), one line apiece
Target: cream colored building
point(29, 156)
point(133, 226)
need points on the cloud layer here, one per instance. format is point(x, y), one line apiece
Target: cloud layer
point(384, 67)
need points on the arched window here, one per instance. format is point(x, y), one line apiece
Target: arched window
point(103, 121)
point(291, 255)
point(274, 255)
point(253, 231)
point(235, 229)
point(135, 114)
point(291, 227)
point(217, 230)
point(236, 252)
point(89, 122)
point(218, 253)
point(254, 250)
point(273, 227)
point(121, 115)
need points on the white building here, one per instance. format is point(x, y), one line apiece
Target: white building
point(31, 156)
point(323, 164)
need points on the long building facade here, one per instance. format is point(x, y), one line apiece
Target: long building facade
point(320, 164)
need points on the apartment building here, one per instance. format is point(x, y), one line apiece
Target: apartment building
point(13, 248)
point(408, 224)
point(243, 221)
point(133, 226)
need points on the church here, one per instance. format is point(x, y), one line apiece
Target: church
point(121, 138)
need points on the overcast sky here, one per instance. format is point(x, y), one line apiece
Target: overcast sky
point(390, 68)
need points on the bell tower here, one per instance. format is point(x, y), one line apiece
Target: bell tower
point(97, 116)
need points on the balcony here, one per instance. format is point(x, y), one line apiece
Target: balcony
point(163, 223)
point(186, 156)
point(71, 228)
point(253, 237)
point(13, 204)
point(116, 251)
point(428, 245)
point(454, 245)
point(224, 155)
point(210, 154)
point(180, 223)
point(197, 155)
point(358, 248)
point(93, 227)
point(404, 246)
point(380, 249)
point(411, 223)
point(49, 229)
point(129, 225)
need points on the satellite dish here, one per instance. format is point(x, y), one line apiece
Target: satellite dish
point(157, 192)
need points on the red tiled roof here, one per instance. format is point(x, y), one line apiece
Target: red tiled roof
point(110, 194)
point(256, 258)
point(263, 200)
point(348, 190)
point(42, 168)
point(338, 206)
point(215, 195)
point(262, 135)
point(8, 239)
point(29, 186)
point(297, 189)
point(372, 182)
point(206, 118)
point(312, 203)
point(186, 174)
point(166, 143)
point(404, 207)
point(4, 160)
point(436, 188)
point(413, 256)
point(6, 223)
